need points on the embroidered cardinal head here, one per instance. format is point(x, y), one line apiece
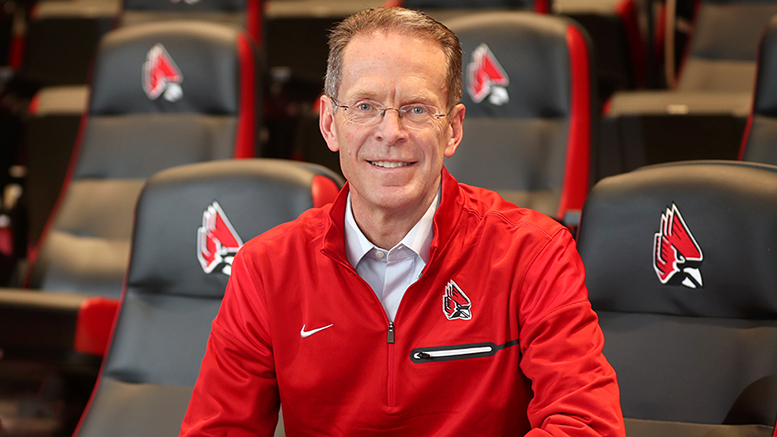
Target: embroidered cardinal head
point(456, 304)
point(161, 75)
point(217, 240)
point(486, 77)
point(676, 254)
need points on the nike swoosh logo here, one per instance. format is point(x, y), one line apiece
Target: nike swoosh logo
point(306, 334)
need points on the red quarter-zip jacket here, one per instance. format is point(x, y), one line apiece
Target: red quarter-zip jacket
point(496, 338)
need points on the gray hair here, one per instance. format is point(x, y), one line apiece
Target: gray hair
point(400, 20)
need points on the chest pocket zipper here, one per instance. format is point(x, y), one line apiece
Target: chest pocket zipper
point(457, 352)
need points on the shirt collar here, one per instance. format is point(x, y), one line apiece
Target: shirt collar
point(419, 239)
point(454, 200)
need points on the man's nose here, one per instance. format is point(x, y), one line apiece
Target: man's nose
point(386, 110)
point(391, 126)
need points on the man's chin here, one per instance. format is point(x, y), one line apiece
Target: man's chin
point(399, 199)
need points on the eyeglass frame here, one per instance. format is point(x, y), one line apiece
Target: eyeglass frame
point(382, 109)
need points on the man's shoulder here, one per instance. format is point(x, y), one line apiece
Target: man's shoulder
point(491, 209)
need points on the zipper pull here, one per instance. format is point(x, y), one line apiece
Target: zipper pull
point(391, 333)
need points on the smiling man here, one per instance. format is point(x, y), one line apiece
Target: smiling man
point(413, 305)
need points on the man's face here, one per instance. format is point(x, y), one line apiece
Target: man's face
point(392, 168)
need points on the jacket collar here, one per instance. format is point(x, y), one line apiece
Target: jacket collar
point(445, 220)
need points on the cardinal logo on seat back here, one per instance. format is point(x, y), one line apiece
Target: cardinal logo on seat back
point(456, 304)
point(217, 240)
point(676, 254)
point(161, 76)
point(486, 77)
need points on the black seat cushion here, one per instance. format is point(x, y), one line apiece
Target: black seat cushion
point(527, 89)
point(172, 296)
point(680, 268)
point(724, 45)
point(247, 14)
point(203, 108)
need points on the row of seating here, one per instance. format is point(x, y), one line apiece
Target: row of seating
point(679, 267)
point(190, 221)
point(292, 136)
point(164, 94)
point(174, 116)
point(552, 123)
point(196, 96)
point(709, 102)
point(161, 95)
point(57, 81)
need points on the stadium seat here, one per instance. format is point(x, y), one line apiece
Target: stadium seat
point(296, 35)
point(613, 25)
point(758, 142)
point(528, 92)
point(51, 128)
point(163, 94)
point(247, 14)
point(61, 38)
point(679, 264)
point(60, 42)
point(704, 115)
point(54, 113)
point(723, 46)
point(190, 222)
point(616, 31)
point(52, 44)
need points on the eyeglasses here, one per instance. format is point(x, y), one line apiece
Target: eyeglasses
point(368, 113)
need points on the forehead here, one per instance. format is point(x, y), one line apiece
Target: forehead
point(393, 64)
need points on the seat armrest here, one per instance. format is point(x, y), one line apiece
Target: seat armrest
point(50, 324)
point(680, 103)
point(649, 428)
point(94, 325)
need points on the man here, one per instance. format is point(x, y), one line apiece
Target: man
point(413, 305)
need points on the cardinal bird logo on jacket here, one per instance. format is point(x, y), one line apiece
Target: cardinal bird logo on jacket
point(217, 240)
point(456, 304)
point(676, 254)
point(161, 75)
point(486, 77)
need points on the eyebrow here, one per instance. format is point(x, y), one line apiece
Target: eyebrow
point(425, 98)
point(422, 97)
point(362, 94)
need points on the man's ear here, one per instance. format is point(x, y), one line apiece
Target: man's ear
point(326, 122)
point(456, 127)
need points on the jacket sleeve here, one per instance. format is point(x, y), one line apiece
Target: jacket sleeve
point(236, 393)
point(575, 388)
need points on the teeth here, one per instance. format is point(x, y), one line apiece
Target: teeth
point(389, 164)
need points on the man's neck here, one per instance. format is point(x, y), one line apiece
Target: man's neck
point(386, 229)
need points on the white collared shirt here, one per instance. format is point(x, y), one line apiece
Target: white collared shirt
point(390, 272)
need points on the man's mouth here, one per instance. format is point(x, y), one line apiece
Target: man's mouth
point(389, 164)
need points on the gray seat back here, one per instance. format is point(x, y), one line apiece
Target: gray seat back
point(190, 222)
point(528, 92)
point(164, 94)
point(680, 262)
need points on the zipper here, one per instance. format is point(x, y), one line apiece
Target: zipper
point(390, 373)
point(457, 352)
point(390, 395)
